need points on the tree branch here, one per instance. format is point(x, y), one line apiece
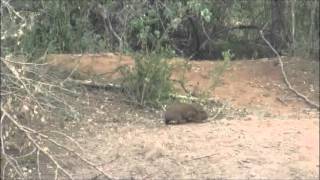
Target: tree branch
point(313, 104)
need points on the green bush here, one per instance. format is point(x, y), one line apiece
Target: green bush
point(148, 83)
point(217, 72)
point(54, 30)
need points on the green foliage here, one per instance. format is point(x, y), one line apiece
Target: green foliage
point(189, 27)
point(227, 56)
point(217, 72)
point(148, 82)
point(307, 28)
point(52, 31)
point(200, 8)
point(152, 30)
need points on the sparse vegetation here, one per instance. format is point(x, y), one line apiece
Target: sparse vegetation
point(37, 101)
point(148, 83)
point(221, 68)
point(198, 29)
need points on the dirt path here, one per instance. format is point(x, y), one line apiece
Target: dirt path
point(278, 140)
point(269, 149)
point(127, 142)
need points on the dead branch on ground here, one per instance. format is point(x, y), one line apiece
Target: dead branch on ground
point(38, 92)
point(30, 133)
point(313, 104)
point(201, 157)
point(90, 83)
point(30, 96)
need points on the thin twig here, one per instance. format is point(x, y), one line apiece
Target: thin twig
point(70, 138)
point(13, 70)
point(39, 82)
point(8, 158)
point(11, 9)
point(27, 154)
point(201, 157)
point(50, 85)
point(218, 112)
point(71, 73)
point(56, 174)
point(103, 13)
point(44, 151)
point(3, 169)
point(27, 133)
point(38, 164)
point(24, 63)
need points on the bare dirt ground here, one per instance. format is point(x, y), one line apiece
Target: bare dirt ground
point(279, 139)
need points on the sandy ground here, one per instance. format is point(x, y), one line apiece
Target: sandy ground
point(250, 147)
point(279, 139)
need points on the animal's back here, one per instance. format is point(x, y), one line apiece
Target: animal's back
point(183, 112)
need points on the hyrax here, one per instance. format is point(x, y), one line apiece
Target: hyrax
point(179, 113)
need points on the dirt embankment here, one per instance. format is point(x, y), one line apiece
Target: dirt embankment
point(278, 140)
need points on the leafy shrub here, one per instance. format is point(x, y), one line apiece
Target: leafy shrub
point(148, 82)
point(220, 69)
point(54, 30)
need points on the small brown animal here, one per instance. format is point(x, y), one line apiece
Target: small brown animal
point(182, 113)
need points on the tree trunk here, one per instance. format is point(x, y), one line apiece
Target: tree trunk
point(312, 39)
point(293, 27)
point(277, 17)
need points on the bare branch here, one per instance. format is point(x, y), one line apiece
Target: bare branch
point(70, 138)
point(9, 160)
point(313, 104)
point(15, 72)
point(27, 154)
point(28, 132)
point(38, 164)
point(218, 112)
point(4, 169)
